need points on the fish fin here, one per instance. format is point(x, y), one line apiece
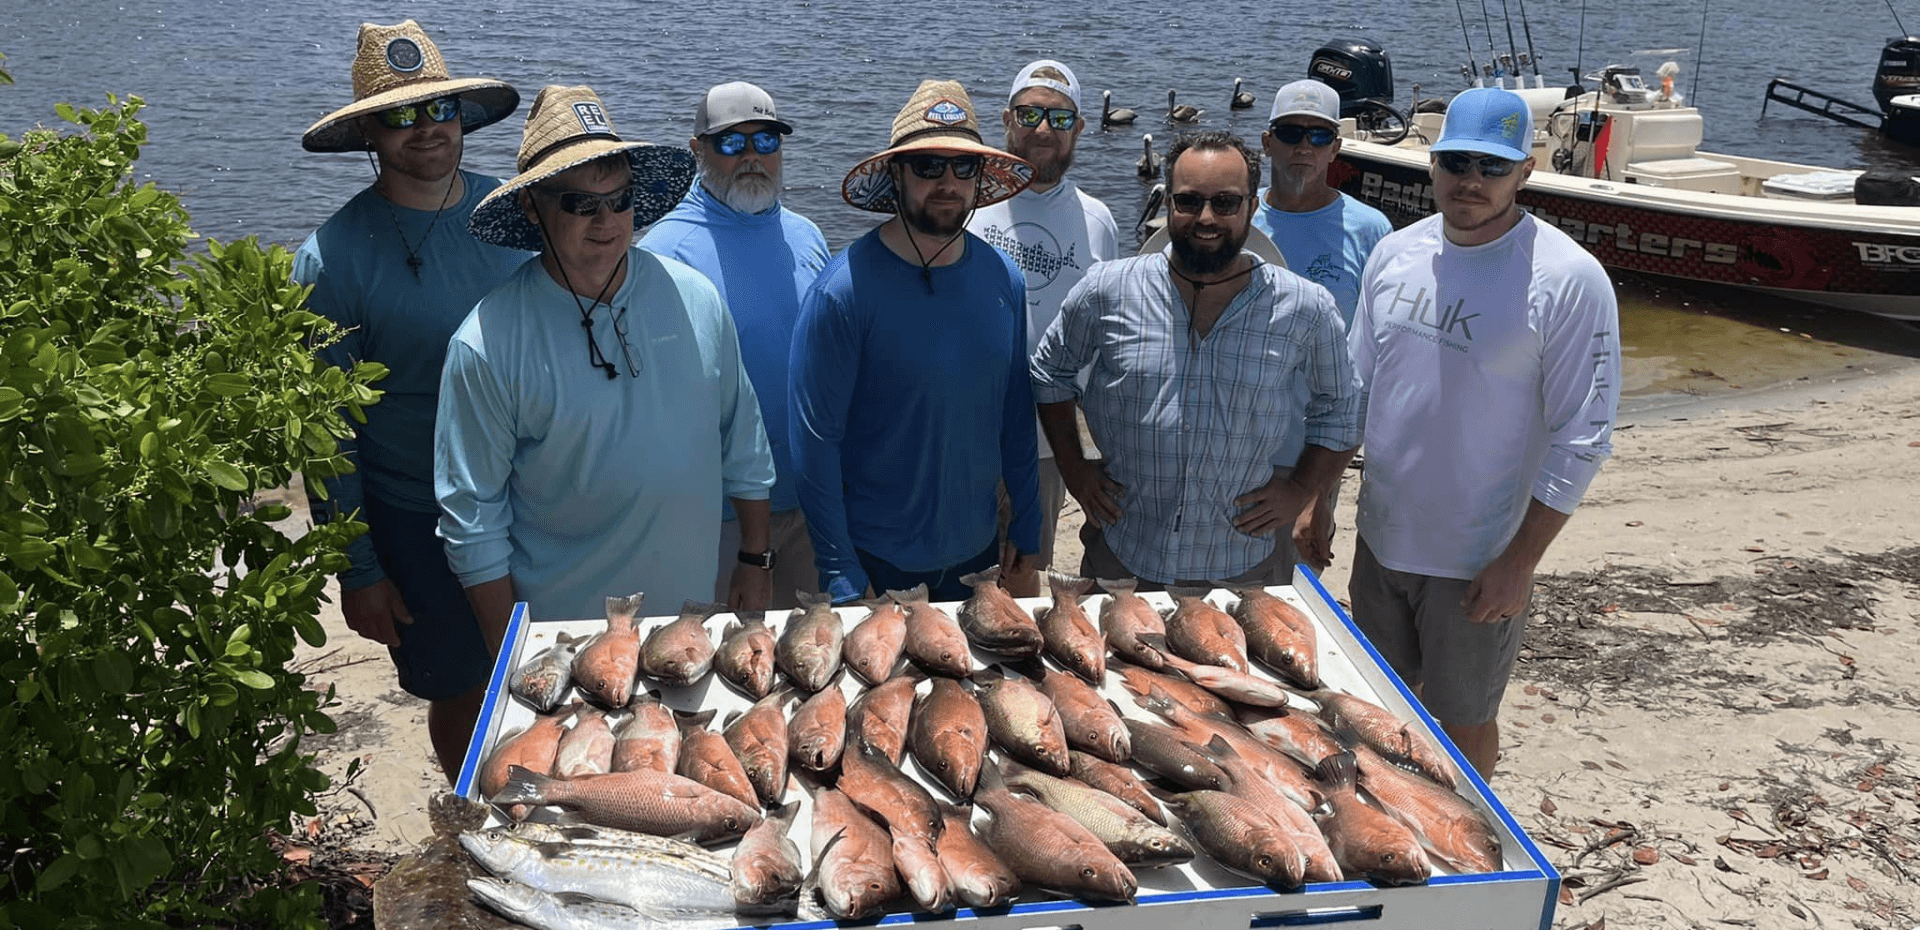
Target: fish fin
point(785, 813)
point(874, 603)
point(914, 595)
point(1338, 771)
point(989, 676)
point(524, 786)
point(1118, 586)
point(986, 576)
point(1074, 586)
point(1156, 699)
point(1154, 641)
point(625, 607)
point(731, 716)
point(563, 638)
point(693, 720)
point(751, 617)
point(1029, 667)
point(1184, 592)
point(813, 874)
point(807, 599)
point(702, 609)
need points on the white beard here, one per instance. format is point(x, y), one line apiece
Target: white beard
point(750, 193)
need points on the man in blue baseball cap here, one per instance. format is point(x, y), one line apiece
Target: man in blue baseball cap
point(1488, 347)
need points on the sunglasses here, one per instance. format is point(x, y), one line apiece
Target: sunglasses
point(588, 203)
point(733, 142)
point(439, 109)
point(1223, 204)
point(1291, 134)
point(1459, 163)
point(931, 167)
point(1031, 117)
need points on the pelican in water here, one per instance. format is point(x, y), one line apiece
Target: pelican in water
point(1112, 117)
point(1181, 112)
point(1149, 163)
point(1242, 100)
point(1150, 218)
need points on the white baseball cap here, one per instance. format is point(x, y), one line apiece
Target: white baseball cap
point(1307, 98)
point(1049, 74)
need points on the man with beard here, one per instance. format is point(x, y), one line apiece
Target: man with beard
point(1488, 344)
point(1325, 235)
point(397, 270)
point(1192, 352)
point(761, 256)
point(1053, 230)
point(910, 396)
point(594, 410)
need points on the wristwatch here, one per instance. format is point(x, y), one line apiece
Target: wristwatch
point(762, 560)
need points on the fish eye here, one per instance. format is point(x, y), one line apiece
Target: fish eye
point(1086, 872)
point(1264, 862)
point(1389, 858)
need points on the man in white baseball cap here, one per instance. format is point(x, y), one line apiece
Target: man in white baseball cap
point(1053, 230)
point(1326, 236)
point(762, 257)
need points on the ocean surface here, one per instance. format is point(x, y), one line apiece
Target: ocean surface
point(231, 84)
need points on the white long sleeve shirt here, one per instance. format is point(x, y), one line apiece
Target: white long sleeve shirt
point(1491, 375)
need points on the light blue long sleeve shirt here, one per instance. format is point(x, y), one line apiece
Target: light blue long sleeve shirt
point(357, 264)
point(578, 486)
point(910, 404)
point(761, 263)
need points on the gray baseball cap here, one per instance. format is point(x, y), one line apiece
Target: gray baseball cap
point(728, 105)
point(1307, 98)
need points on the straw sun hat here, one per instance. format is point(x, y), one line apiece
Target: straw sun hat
point(568, 127)
point(938, 118)
point(398, 65)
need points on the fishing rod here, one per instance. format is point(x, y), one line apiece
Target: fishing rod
point(1527, 27)
point(1493, 51)
point(1580, 50)
point(1473, 70)
point(1513, 53)
point(1896, 17)
point(1693, 93)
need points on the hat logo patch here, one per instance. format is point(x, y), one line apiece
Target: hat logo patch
point(947, 113)
point(403, 55)
point(1509, 126)
point(593, 119)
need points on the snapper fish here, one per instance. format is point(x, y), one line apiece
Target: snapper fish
point(994, 621)
point(745, 656)
point(544, 679)
point(604, 668)
point(681, 652)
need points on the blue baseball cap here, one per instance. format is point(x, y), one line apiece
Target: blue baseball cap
point(1490, 121)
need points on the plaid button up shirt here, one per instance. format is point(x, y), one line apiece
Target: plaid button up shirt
point(1189, 423)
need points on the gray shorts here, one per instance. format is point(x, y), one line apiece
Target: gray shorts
point(1417, 624)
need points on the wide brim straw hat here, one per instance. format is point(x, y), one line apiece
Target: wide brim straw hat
point(398, 65)
point(937, 118)
point(568, 127)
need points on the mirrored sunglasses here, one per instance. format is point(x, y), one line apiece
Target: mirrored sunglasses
point(1292, 133)
point(1190, 203)
point(1031, 117)
point(733, 142)
point(439, 109)
point(1459, 163)
point(931, 167)
point(588, 203)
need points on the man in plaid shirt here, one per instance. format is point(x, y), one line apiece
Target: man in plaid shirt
point(1191, 352)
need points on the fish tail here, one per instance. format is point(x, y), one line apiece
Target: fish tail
point(748, 617)
point(1030, 667)
point(524, 786)
point(807, 599)
point(914, 595)
point(1118, 587)
point(1073, 586)
point(985, 576)
point(1338, 771)
point(1156, 699)
point(1184, 592)
point(625, 608)
point(693, 721)
point(701, 609)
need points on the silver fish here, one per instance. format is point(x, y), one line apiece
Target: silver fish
point(638, 878)
point(544, 679)
point(543, 911)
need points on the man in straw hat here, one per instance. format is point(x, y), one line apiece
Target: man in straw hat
point(761, 256)
point(1053, 230)
point(594, 409)
point(910, 398)
point(397, 269)
point(1193, 352)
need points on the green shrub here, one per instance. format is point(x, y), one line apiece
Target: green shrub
point(147, 612)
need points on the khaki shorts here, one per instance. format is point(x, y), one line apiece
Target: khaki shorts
point(1417, 623)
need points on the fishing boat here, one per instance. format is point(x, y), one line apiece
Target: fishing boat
point(1618, 167)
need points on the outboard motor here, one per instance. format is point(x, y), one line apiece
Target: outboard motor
point(1358, 69)
point(1899, 71)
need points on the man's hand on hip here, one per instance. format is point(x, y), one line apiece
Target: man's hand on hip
point(373, 611)
point(1271, 508)
point(1099, 495)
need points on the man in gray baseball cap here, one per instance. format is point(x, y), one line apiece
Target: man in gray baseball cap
point(1325, 235)
point(732, 228)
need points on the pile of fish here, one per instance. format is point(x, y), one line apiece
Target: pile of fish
point(949, 760)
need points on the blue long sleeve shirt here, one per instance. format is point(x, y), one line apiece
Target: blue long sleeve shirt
point(761, 263)
point(910, 404)
point(357, 264)
point(578, 486)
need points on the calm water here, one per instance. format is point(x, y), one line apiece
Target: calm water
point(231, 85)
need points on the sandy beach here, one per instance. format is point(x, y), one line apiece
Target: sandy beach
point(1715, 719)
